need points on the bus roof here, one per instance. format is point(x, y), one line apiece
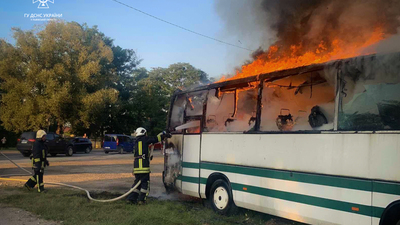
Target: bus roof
point(277, 75)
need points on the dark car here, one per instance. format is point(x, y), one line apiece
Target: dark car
point(118, 143)
point(25, 143)
point(68, 146)
point(55, 144)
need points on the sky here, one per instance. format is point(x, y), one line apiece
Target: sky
point(157, 43)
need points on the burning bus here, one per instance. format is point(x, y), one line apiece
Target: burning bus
point(317, 144)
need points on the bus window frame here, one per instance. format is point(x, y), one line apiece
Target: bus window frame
point(262, 79)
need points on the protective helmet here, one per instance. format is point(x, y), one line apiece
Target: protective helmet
point(140, 132)
point(40, 134)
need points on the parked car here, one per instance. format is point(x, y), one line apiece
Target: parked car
point(54, 143)
point(25, 143)
point(118, 143)
point(68, 146)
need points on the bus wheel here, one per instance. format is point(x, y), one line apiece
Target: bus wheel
point(221, 198)
point(391, 216)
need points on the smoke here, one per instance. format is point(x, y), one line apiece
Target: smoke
point(308, 24)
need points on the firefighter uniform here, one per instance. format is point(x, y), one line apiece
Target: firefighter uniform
point(39, 162)
point(141, 166)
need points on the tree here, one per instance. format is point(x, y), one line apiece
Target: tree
point(158, 88)
point(46, 74)
point(177, 76)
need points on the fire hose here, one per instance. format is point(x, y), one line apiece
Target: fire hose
point(71, 186)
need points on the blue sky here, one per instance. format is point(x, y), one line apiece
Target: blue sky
point(157, 43)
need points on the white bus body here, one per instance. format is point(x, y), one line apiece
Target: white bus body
point(326, 177)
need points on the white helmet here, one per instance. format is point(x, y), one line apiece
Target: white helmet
point(40, 134)
point(140, 132)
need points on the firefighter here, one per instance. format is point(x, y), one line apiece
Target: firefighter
point(39, 162)
point(141, 165)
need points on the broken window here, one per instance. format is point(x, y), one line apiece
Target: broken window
point(195, 103)
point(370, 94)
point(299, 103)
point(231, 110)
point(178, 111)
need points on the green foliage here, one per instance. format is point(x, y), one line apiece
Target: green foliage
point(159, 86)
point(72, 73)
point(46, 73)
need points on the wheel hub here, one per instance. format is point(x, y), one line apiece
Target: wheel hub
point(221, 198)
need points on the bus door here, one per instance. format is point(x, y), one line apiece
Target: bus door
point(191, 157)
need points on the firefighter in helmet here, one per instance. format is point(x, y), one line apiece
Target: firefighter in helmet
point(39, 162)
point(141, 165)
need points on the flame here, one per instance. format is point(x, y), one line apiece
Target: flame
point(281, 58)
point(191, 103)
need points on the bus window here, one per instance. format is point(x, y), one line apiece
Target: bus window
point(195, 103)
point(298, 103)
point(177, 114)
point(231, 111)
point(370, 96)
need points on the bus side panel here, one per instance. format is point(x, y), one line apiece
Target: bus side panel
point(384, 193)
point(190, 165)
point(367, 156)
point(298, 201)
point(306, 197)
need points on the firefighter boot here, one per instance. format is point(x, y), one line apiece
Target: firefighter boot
point(133, 197)
point(142, 197)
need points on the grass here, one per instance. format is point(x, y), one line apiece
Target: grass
point(72, 207)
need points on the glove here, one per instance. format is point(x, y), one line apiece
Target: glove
point(167, 134)
point(151, 158)
point(47, 163)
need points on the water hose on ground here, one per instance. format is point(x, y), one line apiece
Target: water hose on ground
point(71, 186)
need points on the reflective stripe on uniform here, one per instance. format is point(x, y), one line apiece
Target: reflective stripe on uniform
point(34, 180)
point(140, 153)
point(36, 160)
point(38, 185)
point(141, 170)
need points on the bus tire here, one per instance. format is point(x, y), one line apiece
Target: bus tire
point(221, 198)
point(391, 215)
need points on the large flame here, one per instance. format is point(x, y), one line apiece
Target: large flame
point(280, 57)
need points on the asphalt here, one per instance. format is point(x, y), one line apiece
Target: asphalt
point(95, 171)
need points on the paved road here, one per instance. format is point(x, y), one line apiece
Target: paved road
point(95, 171)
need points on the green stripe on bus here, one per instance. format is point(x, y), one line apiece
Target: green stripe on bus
point(188, 179)
point(299, 198)
point(190, 165)
point(305, 199)
point(326, 180)
point(387, 188)
point(377, 211)
point(364, 185)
